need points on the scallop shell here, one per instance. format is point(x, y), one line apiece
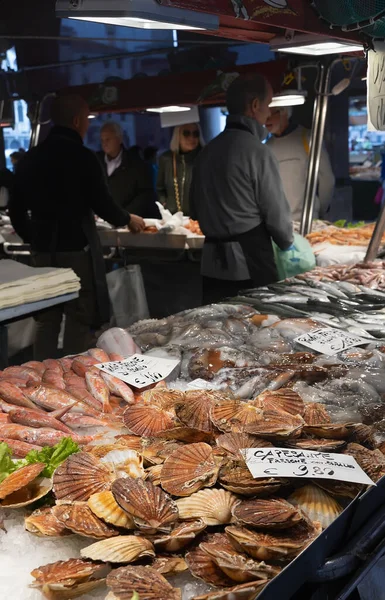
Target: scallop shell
point(182, 535)
point(68, 571)
point(362, 434)
point(61, 591)
point(189, 469)
point(151, 509)
point(42, 522)
point(266, 514)
point(245, 591)
point(153, 474)
point(195, 410)
point(316, 414)
point(186, 434)
point(103, 449)
point(371, 461)
point(105, 507)
point(145, 581)
point(125, 463)
point(19, 479)
point(316, 504)
point(80, 476)
point(316, 444)
point(283, 400)
point(238, 567)
point(213, 506)
point(155, 451)
point(276, 425)
point(81, 520)
point(234, 415)
point(148, 421)
point(30, 493)
point(340, 489)
point(169, 565)
point(233, 443)
point(129, 441)
point(332, 431)
point(121, 549)
point(237, 478)
point(274, 546)
point(204, 568)
point(163, 398)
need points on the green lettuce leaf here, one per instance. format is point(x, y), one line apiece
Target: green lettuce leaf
point(7, 466)
point(52, 457)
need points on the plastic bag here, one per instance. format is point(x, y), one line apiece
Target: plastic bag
point(293, 262)
point(118, 341)
point(127, 295)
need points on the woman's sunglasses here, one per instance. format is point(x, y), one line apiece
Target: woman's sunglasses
point(187, 133)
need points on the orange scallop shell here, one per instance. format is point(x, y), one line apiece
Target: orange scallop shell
point(195, 410)
point(42, 522)
point(79, 518)
point(233, 443)
point(80, 476)
point(189, 469)
point(234, 415)
point(316, 414)
point(19, 479)
point(148, 421)
point(68, 571)
point(284, 400)
point(145, 581)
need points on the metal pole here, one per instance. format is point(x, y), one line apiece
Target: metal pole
point(35, 126)
point(317, 135)
point(375, 241)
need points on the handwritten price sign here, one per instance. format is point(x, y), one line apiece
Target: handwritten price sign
point(328, 340)
point(140, 371)
point(284, 462)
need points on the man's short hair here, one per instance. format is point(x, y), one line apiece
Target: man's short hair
point(244, 90)
point(114, 127)
point(64, 109)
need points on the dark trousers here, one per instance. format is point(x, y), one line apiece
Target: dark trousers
point(216, 290)
point(80, 314)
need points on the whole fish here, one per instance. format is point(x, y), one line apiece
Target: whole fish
point(84, 396)
point(43, 436)
point(66, 364)
point(35, 364)
point(4, 418)
point(12, 394)
point(21, 383)
point(19, 449)
point(36, 418)
point(54, 378)
point(79, 421)
point(81, 364)
point(99, 355)
point(116, 357)
point(52, 399)
point(22, 373)
point(98, 389)
point(73, 380)
point(53, 365)
point(118, 387)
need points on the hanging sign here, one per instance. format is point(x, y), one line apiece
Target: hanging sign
point(285, 462)
point(329, 340)
point(140, 371)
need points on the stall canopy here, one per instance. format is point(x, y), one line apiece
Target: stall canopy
point(202, 87)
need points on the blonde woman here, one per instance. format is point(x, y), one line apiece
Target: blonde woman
point(175, 168)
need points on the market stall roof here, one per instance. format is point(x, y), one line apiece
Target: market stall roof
point(139, 93)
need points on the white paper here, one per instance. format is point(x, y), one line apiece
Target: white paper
point(140, 371)
point(329, 340)
point(201, 384)
point(376, 87)
point(286, 462)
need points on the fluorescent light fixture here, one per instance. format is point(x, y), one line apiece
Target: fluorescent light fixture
point(143, 14)
point(169, 109)
point(91, 116)
point(288, 98)
point(314, 45)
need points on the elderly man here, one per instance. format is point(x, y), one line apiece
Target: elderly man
point(129, 178)
point(238, 199)
point(58, 187)
point(290, 145)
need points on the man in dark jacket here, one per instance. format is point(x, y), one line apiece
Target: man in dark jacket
point(58, 187)
point(129, 177)
point(238, 198)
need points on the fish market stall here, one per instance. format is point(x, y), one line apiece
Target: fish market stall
point(152, 492)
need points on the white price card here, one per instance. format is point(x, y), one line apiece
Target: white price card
point(140, 371)
point(201, 384)
point(329, 340)
point(286, 462)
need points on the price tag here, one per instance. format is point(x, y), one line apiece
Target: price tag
point(284, 462)
point(328, 340)
point(201, 384)
point(139, 370)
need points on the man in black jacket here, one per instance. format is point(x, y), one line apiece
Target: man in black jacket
point(129, 177)
point(58, 187)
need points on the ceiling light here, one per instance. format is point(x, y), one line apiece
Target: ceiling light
point(314, 45)
point(91, 116)
point(288, 98)
point(143, 14)
point(169, 109)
